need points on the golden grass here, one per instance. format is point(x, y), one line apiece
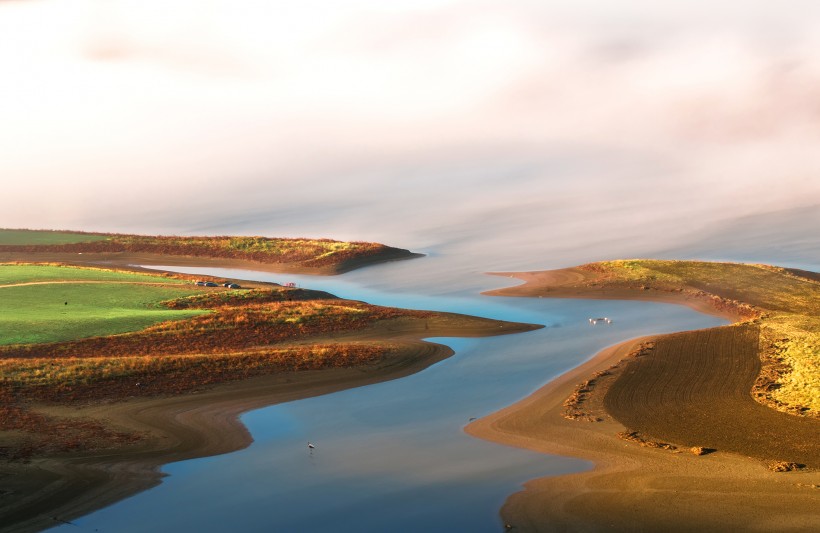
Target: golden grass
point(310, 253)
point(91, 378)
point(785, 305)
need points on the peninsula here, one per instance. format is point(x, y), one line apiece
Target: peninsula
point(709, 430)
point(106, 374)
point(304, 256)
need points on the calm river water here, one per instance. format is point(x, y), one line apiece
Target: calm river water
point(393, 456)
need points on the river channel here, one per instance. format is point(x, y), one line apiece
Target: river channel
point(393, 456)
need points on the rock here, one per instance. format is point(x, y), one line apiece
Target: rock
point(700, 450)
point(784, 466)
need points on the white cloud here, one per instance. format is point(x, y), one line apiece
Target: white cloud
point(323, 117)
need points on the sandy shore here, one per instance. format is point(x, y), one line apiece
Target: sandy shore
point(635, 488)
point(52, 490)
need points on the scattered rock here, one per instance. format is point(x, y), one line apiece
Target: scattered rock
point(633, 436)
point(784, 466)
point(700, 450)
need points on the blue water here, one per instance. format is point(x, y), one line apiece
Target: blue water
point(393, 456)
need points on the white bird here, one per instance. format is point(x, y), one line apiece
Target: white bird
point(311, 446)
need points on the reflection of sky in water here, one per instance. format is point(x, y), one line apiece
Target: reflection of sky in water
point(393, 456)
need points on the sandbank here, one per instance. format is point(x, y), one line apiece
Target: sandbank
point(633, 487)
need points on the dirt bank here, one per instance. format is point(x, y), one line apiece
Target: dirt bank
point(689, 389)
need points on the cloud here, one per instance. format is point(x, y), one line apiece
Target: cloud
point(572, 125)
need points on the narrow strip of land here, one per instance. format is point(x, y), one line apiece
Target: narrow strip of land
point(86, 420)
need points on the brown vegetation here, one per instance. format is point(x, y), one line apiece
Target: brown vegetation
point(137, 400)
point(244, 335)
point(28, 433)
point(307, 253)
point(227, 328)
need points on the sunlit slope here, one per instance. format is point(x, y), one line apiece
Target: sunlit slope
point(17, 237)
point(784, 303)
point(44, 303)
point(325, 255)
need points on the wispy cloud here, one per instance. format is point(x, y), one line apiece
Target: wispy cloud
point(536, 127)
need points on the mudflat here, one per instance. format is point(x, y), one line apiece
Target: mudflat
point(681, 428)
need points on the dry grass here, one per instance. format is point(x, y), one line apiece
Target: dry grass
point(225, 328)
point(73, 379)
point(310, 253)
point(786, 306)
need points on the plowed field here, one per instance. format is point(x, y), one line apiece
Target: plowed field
point(694, 390)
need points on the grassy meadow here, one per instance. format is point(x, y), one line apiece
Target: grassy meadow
point(49, 303)
point(26, 273)
point(22, 237)
point(62, 327)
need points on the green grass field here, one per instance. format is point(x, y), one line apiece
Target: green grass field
point(64, 311)
point(13, 273)
point(22, 237)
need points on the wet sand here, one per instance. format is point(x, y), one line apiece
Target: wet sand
point(633, 487)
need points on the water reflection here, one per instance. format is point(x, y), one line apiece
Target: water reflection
point(393, 456)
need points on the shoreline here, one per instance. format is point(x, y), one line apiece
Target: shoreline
point(132, 260)
point(55, 489)
point(631, 487)
point(179, 428)
point(195, 425)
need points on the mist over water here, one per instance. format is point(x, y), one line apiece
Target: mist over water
point(516, 136)
point(490, 136)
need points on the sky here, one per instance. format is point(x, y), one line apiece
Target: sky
point(519, 132)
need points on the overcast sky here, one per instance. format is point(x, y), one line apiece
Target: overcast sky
point(579, 128)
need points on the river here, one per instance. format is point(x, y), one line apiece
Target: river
point(393, 456)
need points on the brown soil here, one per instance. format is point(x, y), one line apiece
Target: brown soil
point(634, 487)
point(654, 406)
point(693, 389)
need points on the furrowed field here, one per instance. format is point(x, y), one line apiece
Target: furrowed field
point(734, 388)
point(785, 303)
